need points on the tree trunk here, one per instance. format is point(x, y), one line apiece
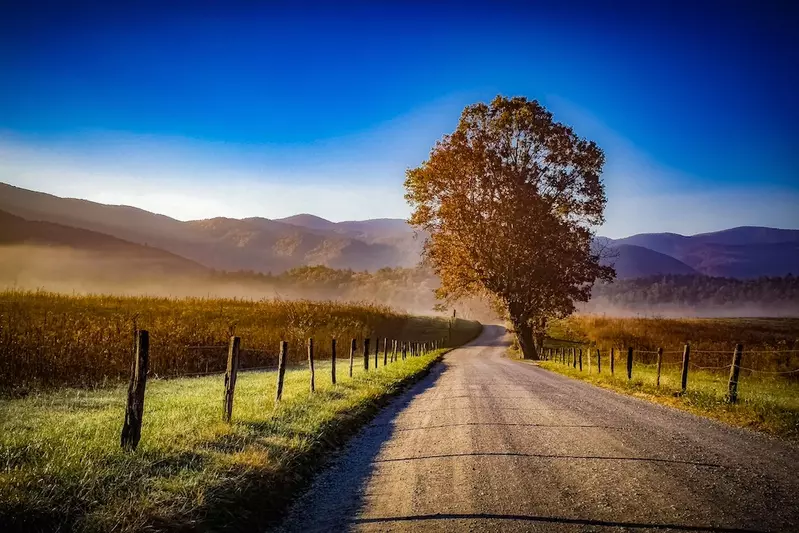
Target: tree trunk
point(524, 334)
point(539, 333)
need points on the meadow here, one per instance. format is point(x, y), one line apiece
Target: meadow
point(768, 386)
point(49, 340)
point(61, 463)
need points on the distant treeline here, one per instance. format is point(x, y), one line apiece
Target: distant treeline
point(413, 287)
point(780, 294)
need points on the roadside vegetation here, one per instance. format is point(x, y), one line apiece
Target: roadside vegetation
point(768, 387)
point(62, 467)
point(49, 340)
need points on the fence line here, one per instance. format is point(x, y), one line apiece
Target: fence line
point(566, 356)
point(134, 409)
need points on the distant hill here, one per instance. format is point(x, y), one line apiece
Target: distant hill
point(257, 244)
point(34, 253)
point(305, 220)
point(743, 252)
point(637, 262)
point(263, 245)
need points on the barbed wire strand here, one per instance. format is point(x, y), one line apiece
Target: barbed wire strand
point(770, 371)
point(709, 367)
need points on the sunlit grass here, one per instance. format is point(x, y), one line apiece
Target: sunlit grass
point(62, 463)
point(765, 402)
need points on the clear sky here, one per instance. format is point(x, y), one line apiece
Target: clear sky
point(271, 109)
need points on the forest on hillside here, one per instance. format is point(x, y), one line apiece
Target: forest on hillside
point(669, 294)
point(699, 295)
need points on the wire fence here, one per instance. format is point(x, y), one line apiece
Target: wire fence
point(728, 373)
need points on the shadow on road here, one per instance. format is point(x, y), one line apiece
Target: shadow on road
point(551, 520)
point(462, 424)
point(547, 456)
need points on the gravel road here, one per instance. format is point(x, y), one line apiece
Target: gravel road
point(489, 444)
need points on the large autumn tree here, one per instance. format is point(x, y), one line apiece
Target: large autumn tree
point(510, 200)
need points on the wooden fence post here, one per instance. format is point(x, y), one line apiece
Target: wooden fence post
point(581, 359)
point(366, 354)
point(686, 356)
point(404, 350)
point(612, 360)
point(230, 377)
point(732, 395)
point(598, 362)
point(281, 369)
point(385, 351)
point(660, 364)
point(131, 428)
point(574, 358)
point(377, 349)
point(630, 363)
point(333, 362)
point(394, 351)
point(353, 348)
point(310, 364)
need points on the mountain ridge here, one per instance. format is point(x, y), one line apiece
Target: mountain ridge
point(275, 245)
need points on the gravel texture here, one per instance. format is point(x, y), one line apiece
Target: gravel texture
point(485, 443)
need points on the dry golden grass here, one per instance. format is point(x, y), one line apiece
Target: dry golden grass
point(770, 344)
point(49, 339)
point(768, 388)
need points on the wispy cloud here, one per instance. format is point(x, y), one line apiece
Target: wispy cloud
point(356, 177)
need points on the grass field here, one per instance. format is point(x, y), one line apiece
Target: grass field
point(64, 362)
point(768, 397)
point(49, 340)
point(62, 463)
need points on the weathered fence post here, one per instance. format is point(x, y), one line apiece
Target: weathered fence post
point(131, 428)
point(353, 348)
point(732, 395)
point(660, 364)
point(385, 351)
point(630, 363)
point(310, 364)
point(404, 350)
point(574, 358)
point(377, 349)
point(394, 351)
point(686, 356)
point(598, 362)
point(612, 360)
point(366, 354)
point(230, 376)
point(581, 359)
point(281, 369)
point(333, 362)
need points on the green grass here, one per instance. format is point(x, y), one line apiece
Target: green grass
point(62, 463)
point(766, 404)
point(768, 393)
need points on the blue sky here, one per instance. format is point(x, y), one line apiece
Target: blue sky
point(249, 109)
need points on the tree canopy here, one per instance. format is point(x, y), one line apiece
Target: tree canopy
point(510, 200)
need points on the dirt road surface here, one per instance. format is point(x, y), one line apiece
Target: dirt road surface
point(485, 443)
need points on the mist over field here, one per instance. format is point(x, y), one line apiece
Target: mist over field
point(69, 271)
